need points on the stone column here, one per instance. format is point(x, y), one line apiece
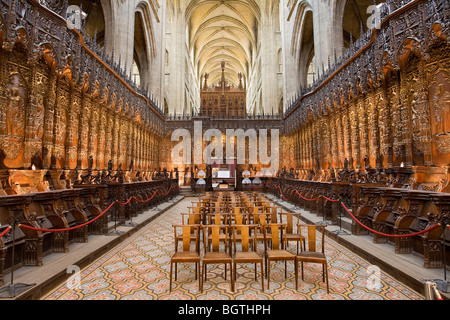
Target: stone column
point(325, 40)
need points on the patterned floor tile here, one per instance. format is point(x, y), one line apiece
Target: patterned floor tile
point(138, 269)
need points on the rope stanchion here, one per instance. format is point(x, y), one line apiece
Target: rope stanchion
point(13, 289)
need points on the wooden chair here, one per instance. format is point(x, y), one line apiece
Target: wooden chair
point(291, 234)
point(188, 254)
point(216, 219)
point(237, 219)
point(313, 255)
point(278, 245)
point(191, 218)
point(246, 255)
point(215, 255)
point(275, 210)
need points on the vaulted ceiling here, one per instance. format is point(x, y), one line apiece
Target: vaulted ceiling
point(223, 30)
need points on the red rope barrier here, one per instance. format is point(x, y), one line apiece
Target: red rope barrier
point(125, 203)
point(167, 191)
point(306, 198)
point(331, 199)
point(284, 196)
point(5, 232)
point(144, 201)
point(88, 222)
point(71, 228)
point(386, 234)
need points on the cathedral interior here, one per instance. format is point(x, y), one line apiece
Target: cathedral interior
point(112, 109)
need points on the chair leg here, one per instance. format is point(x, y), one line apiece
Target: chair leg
point(199, 276)
point(326, 273)
point(296, 273)
point(232, 277)
point(323, 272)
point(170, 285)
point(268, 274)
point(176, 272)
point(256, 276)
point(225, 271)
point(265, 265)
point(262, 277)
point(302, 271)
point(201, 279)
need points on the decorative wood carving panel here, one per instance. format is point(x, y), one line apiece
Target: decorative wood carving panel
point(388, 103)
point(61, 102)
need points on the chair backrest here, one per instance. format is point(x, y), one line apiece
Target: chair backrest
point(288, 218)
point(247, 236)
point(261, 218)
point(239, 218)
point(277, 233)
point(311, 235)
point(191, 218)
point(217, 218)
point(237, 210)
point(186, 232)
point(218, 233)
point(197, 209)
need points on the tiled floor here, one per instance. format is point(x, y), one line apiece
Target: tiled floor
point(138, 268)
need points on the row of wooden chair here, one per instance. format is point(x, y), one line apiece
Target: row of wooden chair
point(254, 218)
point(275, 249)
point(233, 204)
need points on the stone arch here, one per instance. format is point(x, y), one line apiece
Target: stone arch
point(306, 58)
point(350, 21)
point(98, 20)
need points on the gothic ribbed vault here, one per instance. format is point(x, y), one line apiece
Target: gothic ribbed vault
point(223, 31)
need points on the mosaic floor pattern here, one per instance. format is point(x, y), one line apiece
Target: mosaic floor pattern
point(138, 269)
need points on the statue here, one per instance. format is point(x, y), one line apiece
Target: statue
point(366, 162)
point(90, 162)
point(346, 164)
point(12, 114)
point(441, 104)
